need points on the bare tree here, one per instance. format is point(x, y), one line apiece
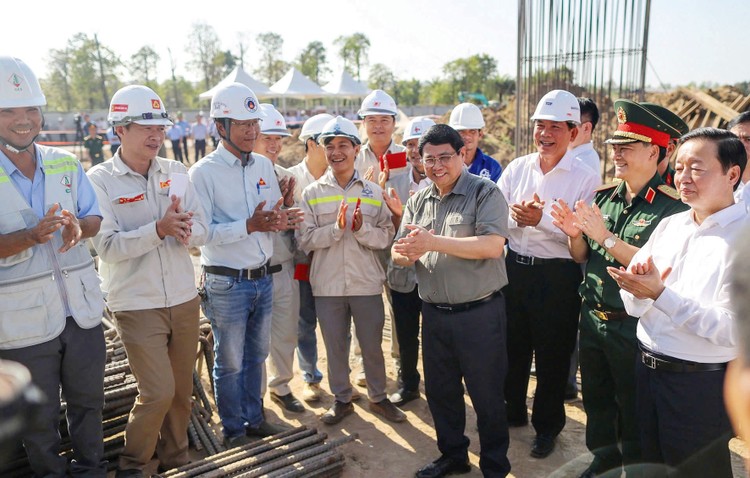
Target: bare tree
point(143, 65)
point(271, 66)
point(353, 50)
point(203, 47)
point(312, 61)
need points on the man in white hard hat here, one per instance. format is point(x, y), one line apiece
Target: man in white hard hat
point(402, 279)
point(542, 295)
point(284, 315)
point(468, 120)
point(346, 223)
point(50, 301)
point(151, 215)
point(307, 171)
point(378, 113)
point(242, 200)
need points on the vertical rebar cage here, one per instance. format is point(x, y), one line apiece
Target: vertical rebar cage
point(592, 48)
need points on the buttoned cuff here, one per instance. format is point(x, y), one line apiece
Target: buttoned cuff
point(669, 303)
point(239, 229)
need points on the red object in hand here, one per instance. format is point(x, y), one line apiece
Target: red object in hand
point(359, 201)
point(302, 272)
point(395, 160)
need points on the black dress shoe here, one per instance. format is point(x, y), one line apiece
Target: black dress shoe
point(544, 444)
point(588, 473)
point(288, 402)
point(518, 423)
point(403, 396)
point(444, 466)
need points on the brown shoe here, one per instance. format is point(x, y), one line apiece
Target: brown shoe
point(337, 412)
point(388, 410)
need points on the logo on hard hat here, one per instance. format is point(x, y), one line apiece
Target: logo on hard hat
point(278, 122)
point(156, 104)
point(116, 108)
point(336, 128)
point(376, 103)
point(250, 104)
point(417, 129)
point(15, 80)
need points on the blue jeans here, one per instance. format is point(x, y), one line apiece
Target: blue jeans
point(240, 315)
point(307, 341)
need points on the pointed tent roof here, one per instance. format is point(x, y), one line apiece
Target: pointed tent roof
point(294, 84)
point(239, 75)
point(344, 86)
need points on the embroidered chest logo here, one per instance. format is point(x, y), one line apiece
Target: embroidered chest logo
point(137, 198)
point(484, 173)
point(165, 184)
point(65, 181)
point(641, 223)
point(367, 192)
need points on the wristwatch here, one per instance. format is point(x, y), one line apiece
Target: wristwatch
point(610, 242)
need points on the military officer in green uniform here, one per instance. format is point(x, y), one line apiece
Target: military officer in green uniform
point(609, 233)
point(679, 128)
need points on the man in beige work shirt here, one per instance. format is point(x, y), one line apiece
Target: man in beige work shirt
point(151, 215)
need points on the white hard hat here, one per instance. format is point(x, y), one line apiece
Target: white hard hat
point(466, 116)
point(416, 127)
point(340, 126)
point(18, 85)
point(558, 105)
point(378, 103)
point(314, 125)
point(137, 104)
point(236, 101)
point(273, 123)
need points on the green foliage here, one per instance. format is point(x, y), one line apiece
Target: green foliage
point(203, 49)
point(271, 67)
point(143, 65)
point(407, 92)
point(312, 61)
point(381, 78)
point(353, 50)
point(179, 94)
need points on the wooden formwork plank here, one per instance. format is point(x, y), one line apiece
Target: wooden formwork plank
point(711, 103)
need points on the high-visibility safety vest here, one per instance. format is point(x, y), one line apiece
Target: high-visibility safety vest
point(36, 283)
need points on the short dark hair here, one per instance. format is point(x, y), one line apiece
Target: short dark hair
point(589, 110)
point(729, 148)
point(739, 119)
point(441, 134)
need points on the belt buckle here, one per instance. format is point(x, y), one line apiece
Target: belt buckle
point(648, 360)
point(601, 315)
point(524, 260)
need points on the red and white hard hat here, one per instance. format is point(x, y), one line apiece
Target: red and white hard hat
point(273, 123)
point(236, 101)
point(137, 104)
point(416, 128)
point(19, 86)
point(378, 103)
point(558, 105)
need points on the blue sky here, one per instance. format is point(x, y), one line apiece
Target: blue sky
point(690, 40)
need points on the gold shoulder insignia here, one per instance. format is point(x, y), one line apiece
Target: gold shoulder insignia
point(669, 191)
point(604, 187)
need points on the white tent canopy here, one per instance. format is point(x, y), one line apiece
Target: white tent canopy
point(239, 75)
point(296, 85)
point(344, 86)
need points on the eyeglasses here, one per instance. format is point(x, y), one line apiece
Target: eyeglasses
point(245, 124)
point(443, 159)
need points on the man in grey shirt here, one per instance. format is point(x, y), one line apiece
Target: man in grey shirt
point(454, 231)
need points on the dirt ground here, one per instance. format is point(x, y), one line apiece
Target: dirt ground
point(385, 450)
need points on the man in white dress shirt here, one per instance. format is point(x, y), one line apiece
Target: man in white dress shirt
point(678, 285)
point(582, 147)
point(542, 295)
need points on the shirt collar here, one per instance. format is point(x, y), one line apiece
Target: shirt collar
point(461, 187)
point(329, 178)
point(389, 150)
point(11, 168)
point(582, 148)
point(724, 217)
point(565, 163)
point(119, 167)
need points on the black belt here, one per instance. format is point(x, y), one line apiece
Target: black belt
point(671, 364)
point(258, 273)
point(607, 315)
point(466, 305)
point(535, 261)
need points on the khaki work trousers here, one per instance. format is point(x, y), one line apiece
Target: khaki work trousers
point(161, 345)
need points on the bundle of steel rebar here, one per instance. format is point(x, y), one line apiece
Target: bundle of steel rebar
point(294, 453)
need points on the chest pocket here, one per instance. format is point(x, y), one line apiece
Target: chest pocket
point(639, 230)
point(325, 213)
point(132, 210)
point(369, 212)
point(460, 225)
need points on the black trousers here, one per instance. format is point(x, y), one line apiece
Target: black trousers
point(406, 309)
point(682, 420)
point(200, 148)
point(185, 149)
point(176, 149)
point(467, 345)
point(74, 360)
point(543, 309)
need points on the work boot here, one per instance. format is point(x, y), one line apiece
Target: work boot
point(265, 429)
point(312, 392)
point(288, 402)
point(388, 410)
point(337, 412)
